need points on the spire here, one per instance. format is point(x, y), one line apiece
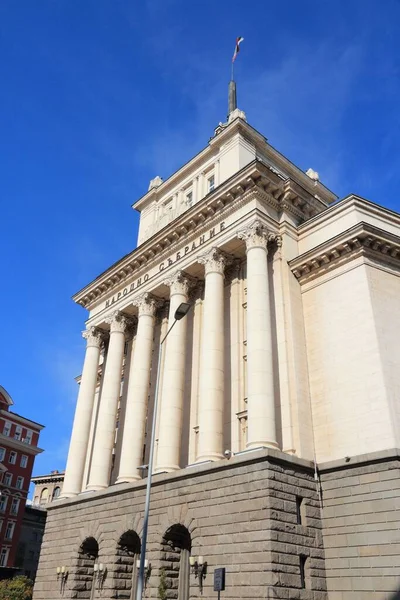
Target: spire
point(232, 102)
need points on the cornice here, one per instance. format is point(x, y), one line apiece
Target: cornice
point(361, 240)
point(255, 180)
point(5, 440)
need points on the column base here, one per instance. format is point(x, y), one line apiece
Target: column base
point(167, 469)
point(260, 445)
point(128, 479)
point(66, 495)
point(96, 488)
point(211, 456)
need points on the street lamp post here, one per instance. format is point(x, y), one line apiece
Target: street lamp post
point(180, 313)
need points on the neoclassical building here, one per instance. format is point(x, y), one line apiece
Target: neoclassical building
point(278, 424)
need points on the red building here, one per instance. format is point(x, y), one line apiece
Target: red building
point(19, 439)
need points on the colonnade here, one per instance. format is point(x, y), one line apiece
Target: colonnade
point(260, 396)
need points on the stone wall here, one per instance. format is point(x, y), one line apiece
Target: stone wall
point(242, 514)
point(361, 519)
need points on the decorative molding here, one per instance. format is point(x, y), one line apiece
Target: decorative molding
point(180, 283)
point(94, 337)
point(361, 240)
point(215, 261)
point(256, 235)
point(148, 304)
point(257, 180)
point(119, 323)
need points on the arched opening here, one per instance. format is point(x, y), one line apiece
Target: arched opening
point(84, 578)
point(44, 495)
point(56, 492)
point(175, 551)
point(125, 577)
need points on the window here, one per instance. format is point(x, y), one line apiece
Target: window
point(24, 460)
point(3, 557)
point(28, 438)
point(211, 183)
point(300, 511)
point(18, 432)
point(304, 575)
point(189, 198)
point(20, 482)
point(7, 428)
point(56, 492)
point(9, 530)
point(12, 459)
point(167, 207)
point(44, 495)
point(2, 454)
point(1, 524)
point(14, 506)
point(7, 479)
point(3, 503)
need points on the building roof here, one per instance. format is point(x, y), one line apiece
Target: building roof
point(6, 396)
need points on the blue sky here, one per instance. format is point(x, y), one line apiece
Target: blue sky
point(99, 96)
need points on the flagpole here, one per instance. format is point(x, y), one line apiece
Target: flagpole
point(232, 70)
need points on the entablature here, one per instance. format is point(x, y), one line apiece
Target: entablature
point(362, 239)
point(256, 180)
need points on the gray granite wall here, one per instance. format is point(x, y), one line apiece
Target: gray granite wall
point(361, 526)
point(241, 514)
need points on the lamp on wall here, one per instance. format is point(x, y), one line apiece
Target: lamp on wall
point(62, 575)
point(199, 568)
point(147, 570)
point(100, 573)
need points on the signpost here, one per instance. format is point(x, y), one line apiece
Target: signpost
point(219, 581)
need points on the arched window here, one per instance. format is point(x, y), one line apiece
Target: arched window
point(88, 553)
point(177, 541)
point(128, 553)
point(44, 496)
point(56, 492)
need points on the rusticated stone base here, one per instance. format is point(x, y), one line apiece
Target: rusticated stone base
point(361, 518)
point(242, 514)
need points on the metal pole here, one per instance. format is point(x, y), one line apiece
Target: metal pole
point(140, 583)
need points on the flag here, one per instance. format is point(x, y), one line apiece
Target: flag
point(239, 40)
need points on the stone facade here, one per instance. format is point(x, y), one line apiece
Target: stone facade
point(361, 526)
point(242, 514)
point(288, 360)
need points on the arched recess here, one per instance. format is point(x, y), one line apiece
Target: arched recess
point(84, 588)
point(176, 546)
point(56, 492)
point(44, 496)
point(125, 573)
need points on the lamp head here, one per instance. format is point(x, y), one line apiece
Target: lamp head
point(182, 311)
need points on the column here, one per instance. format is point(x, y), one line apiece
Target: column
point(83, 415)
point(138, 391)
point(172, 397)
point(212, 376)
point(260, 377)
point(105, 428)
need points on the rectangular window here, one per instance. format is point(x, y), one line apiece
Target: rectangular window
point(1, 524)
point(7, 479)
point(300, 511)
point(12, 459)
point(20, 482)
point(3, 503)
point(14, 506)
point(24, 461)
point(18, 432)
point(28, 437)
point(211, 183)
point(189, 198)
point(9, 530)
point(2, 454)
point(7, 428)
point(3, 557)
point(303, 571)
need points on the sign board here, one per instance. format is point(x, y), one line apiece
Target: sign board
point(219, 580)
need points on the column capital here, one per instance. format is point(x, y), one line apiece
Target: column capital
point(94, 337)
point(180, 283)
point(256, 235)
point(119, 322)
point(215, 261)
point(147, 304)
